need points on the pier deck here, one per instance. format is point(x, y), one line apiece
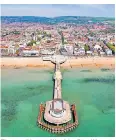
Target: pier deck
point(57, 112)
point(57, 128)
point(64, 119)
point(57, 86)
point(66, 115)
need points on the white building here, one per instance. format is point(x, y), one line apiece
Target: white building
point(57, 108)
point(79, 51)
point(89, 52)
point(102, 53)
point(108, 52)
point(4, 51)
point(96, 47)
point(69, 49)
point(30, 53)
point(47, 52)
point(11, 50)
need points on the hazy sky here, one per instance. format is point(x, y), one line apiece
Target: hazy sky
point(53, 10)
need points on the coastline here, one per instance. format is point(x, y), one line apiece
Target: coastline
point(92, 62)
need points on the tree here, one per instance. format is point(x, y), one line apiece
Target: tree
point(91, 34)
point(16, 32)
point(86, 47)
point(17, 52)
point(62, 38)
point(110, 46)
point(38, 31)
point(60, 32)
point(31, 43)
point(49, 35)
point(16, 46)
point(39, 38)
point(44, 33)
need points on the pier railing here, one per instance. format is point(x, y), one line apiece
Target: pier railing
point(57, 128)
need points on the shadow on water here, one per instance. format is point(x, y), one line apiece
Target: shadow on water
point(64, 70)
point(9, 111)
point(106, 80)
point(49, 71)
point(104, 102)
point(85, 71)
point(104, 70)
point(109, 80)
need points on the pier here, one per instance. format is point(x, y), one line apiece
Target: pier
point(57, 85)
point(57, 115)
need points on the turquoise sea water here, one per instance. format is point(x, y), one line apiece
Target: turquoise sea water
point(92, 90)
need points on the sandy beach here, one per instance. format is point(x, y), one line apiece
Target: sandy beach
point(93, 62)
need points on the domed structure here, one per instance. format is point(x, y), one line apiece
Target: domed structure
point(57, 108)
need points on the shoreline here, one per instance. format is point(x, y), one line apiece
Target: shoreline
point(90, 62)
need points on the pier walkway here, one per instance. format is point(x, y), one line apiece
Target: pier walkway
point(57, 104)
point(57, 112)
point(57, 85)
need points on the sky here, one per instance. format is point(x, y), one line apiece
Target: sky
point(54, 10)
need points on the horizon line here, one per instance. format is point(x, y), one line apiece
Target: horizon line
point(57, 16)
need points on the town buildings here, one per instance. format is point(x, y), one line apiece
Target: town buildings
point(16, 38)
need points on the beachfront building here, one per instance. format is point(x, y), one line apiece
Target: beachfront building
point(30, 53)
point(69, 49)
point(63, 51)
point(97, 47)
point(4, 50)
point(79, 51)
point(108, 52)
point(102, 53)
point(11, 50)
point(89, 53)
point(47, 51)
point(7, 50)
